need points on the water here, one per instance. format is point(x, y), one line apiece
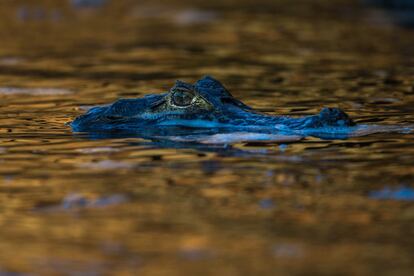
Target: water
point(75, 205)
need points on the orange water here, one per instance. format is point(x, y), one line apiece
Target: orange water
point(70, 205)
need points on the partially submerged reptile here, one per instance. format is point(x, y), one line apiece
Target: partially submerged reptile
point(207, 107)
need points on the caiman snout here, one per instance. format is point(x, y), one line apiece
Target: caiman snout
point(335, 117)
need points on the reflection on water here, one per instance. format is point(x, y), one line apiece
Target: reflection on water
point(88, 3)
point(33, 91)
point(399, 11)
point(398, 193)
point(75, 201)
point(77, 205)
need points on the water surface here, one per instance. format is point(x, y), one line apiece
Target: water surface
point(75, 205)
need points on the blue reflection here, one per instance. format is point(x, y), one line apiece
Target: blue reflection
point(399, 193)
point(76, 202)
point(12, 273)
point(73, 201)
point(194, 254)
point(400, 11)
point(266, 203)
point(88, 3)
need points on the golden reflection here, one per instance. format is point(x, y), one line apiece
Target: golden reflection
point(76, 204)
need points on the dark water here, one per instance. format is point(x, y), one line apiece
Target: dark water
point(70, 205)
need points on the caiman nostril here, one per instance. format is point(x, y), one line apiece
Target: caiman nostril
point(335, 117)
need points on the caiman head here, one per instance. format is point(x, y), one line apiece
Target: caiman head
point(205, 104)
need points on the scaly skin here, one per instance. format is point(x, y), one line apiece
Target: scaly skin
point(206, 104)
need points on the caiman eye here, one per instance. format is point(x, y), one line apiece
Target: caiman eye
point(182, 97)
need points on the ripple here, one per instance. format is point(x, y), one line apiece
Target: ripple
point(266, 203)
point(193, 16)
point(33, 91)
point(88, 3)
point(107, 164)
point(228, 138)
point(8, 61)
point(13, 273)
point(287, 250)
point(400, 193)
point(74, 201)
point(95, 150)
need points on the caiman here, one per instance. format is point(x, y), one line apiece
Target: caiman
point(207, 107)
